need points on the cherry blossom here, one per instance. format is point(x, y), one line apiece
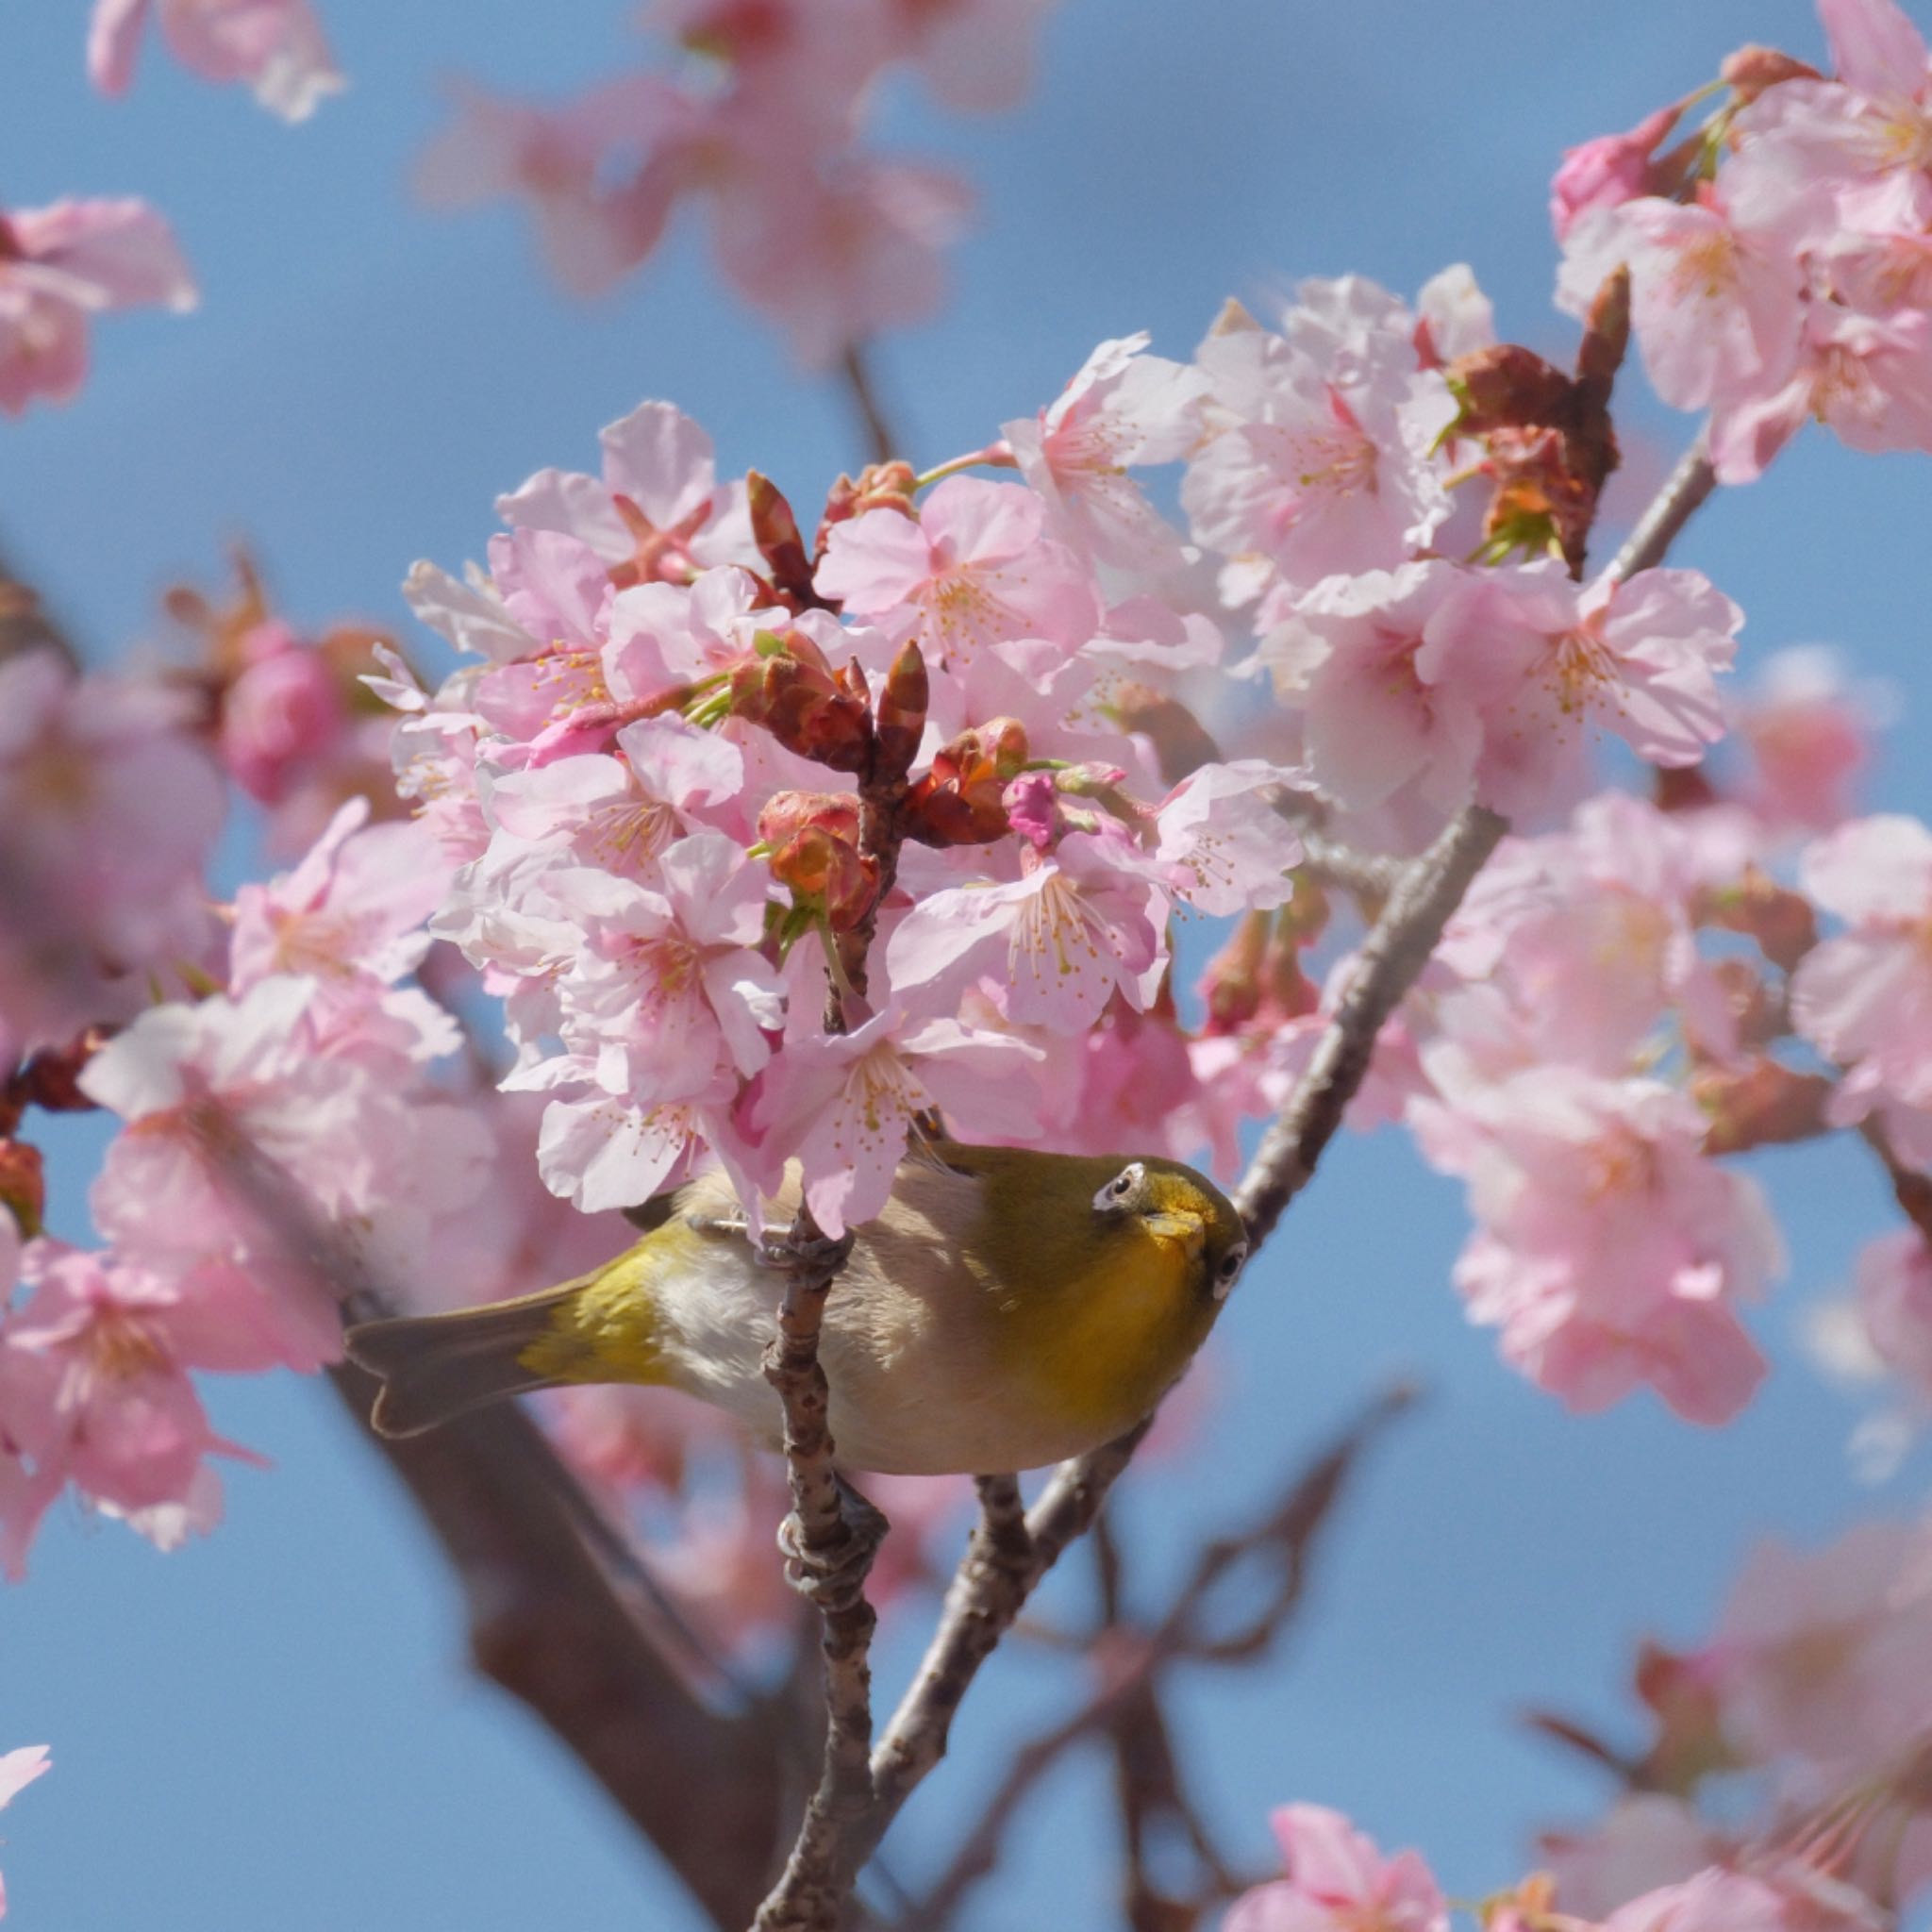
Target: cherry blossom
point(1810, 731)
point(1545, 660)
point(659, 510)
point(1610, 1250)
point(276, 46)
point(1338, 1881)
point(591, 232)
point(95, 1385)
point(846, 1102)
point(1122, 408)
point(107, 812)
point(1321, 450)
point(973, 568)
point(1058, 941)
point(1864, 997)
point(1350, 654)
point(64, 263)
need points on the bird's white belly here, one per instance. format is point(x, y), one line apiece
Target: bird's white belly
point(913, 1390)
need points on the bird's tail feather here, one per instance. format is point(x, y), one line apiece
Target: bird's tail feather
point(433, 1367)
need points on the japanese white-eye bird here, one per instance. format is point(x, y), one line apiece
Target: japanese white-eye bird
point(1007, 1308)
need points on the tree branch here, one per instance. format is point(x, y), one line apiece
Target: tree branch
point(856, 367)
point(1125, 1708)
point(548, 1624)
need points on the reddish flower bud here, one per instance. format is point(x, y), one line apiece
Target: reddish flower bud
point(790, 688)
point(1766, 1103)
point(958, 802)
point(1751, 70)
point(814, 841)
point(1781, 922)
point(775, 530)
point(901, 714)
point(22, 1185)
point(1506, 387)
point(878, 485)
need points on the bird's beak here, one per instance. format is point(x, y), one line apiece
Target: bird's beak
point(1190, 1230)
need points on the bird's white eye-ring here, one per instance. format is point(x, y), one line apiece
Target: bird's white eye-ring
point(1231, 1265)
point(1122, 1188)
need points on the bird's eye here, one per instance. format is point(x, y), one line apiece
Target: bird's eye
point(1231, 1264)
point(1123, 1187)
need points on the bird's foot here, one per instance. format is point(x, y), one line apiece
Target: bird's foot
point(794, 1254)
point(831, 1573)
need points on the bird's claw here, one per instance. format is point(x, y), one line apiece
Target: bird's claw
point(788, 1253)
point(832, 1577)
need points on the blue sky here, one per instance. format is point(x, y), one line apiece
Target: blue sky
point(274, 1727)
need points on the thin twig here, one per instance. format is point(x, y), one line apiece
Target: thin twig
point(1392, 957)
point(1124, 1706)
point(831, 1535)
point(1683, 492)
point(856, 366)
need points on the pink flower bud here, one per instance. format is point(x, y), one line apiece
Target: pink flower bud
point(1607, 172)
point(284, 711)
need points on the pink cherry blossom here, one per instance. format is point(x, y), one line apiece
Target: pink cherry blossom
point(1647, 1839)
point(1865, 995)
point(1453, 316)
point(470, 614)
point(283, 714)
point(1321, 453)
point(846, 1102)
point(666, 977)
point(972, 569)
point(676, 517)
point(276, 46)
point(1589, 933)
point(1810, 734)
point(1608, 171)
point(1868, 378)
point(1825, 1656)
point(93, 1371)
point(976, 55)
point(1610, 1250)
point(1894, 1305)
point(1059, 941)
point(1782, 1895)
point(108, 814)
point(1221, 845)
point(1715, 307)
point(352, 912)
point(1122, 408)
point(603, 1146)
point(1347, 654)
point(257, 1127)
point(1338, 1881)
point(1545, 660)
point(836, 252)
point(662, 635)
point(60, 265)
point(561, 159)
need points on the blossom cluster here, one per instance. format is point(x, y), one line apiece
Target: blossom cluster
point(64, 263)
point(275, 47)
point(1784, 1783)
point(1779, 253)
point(831, 240)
